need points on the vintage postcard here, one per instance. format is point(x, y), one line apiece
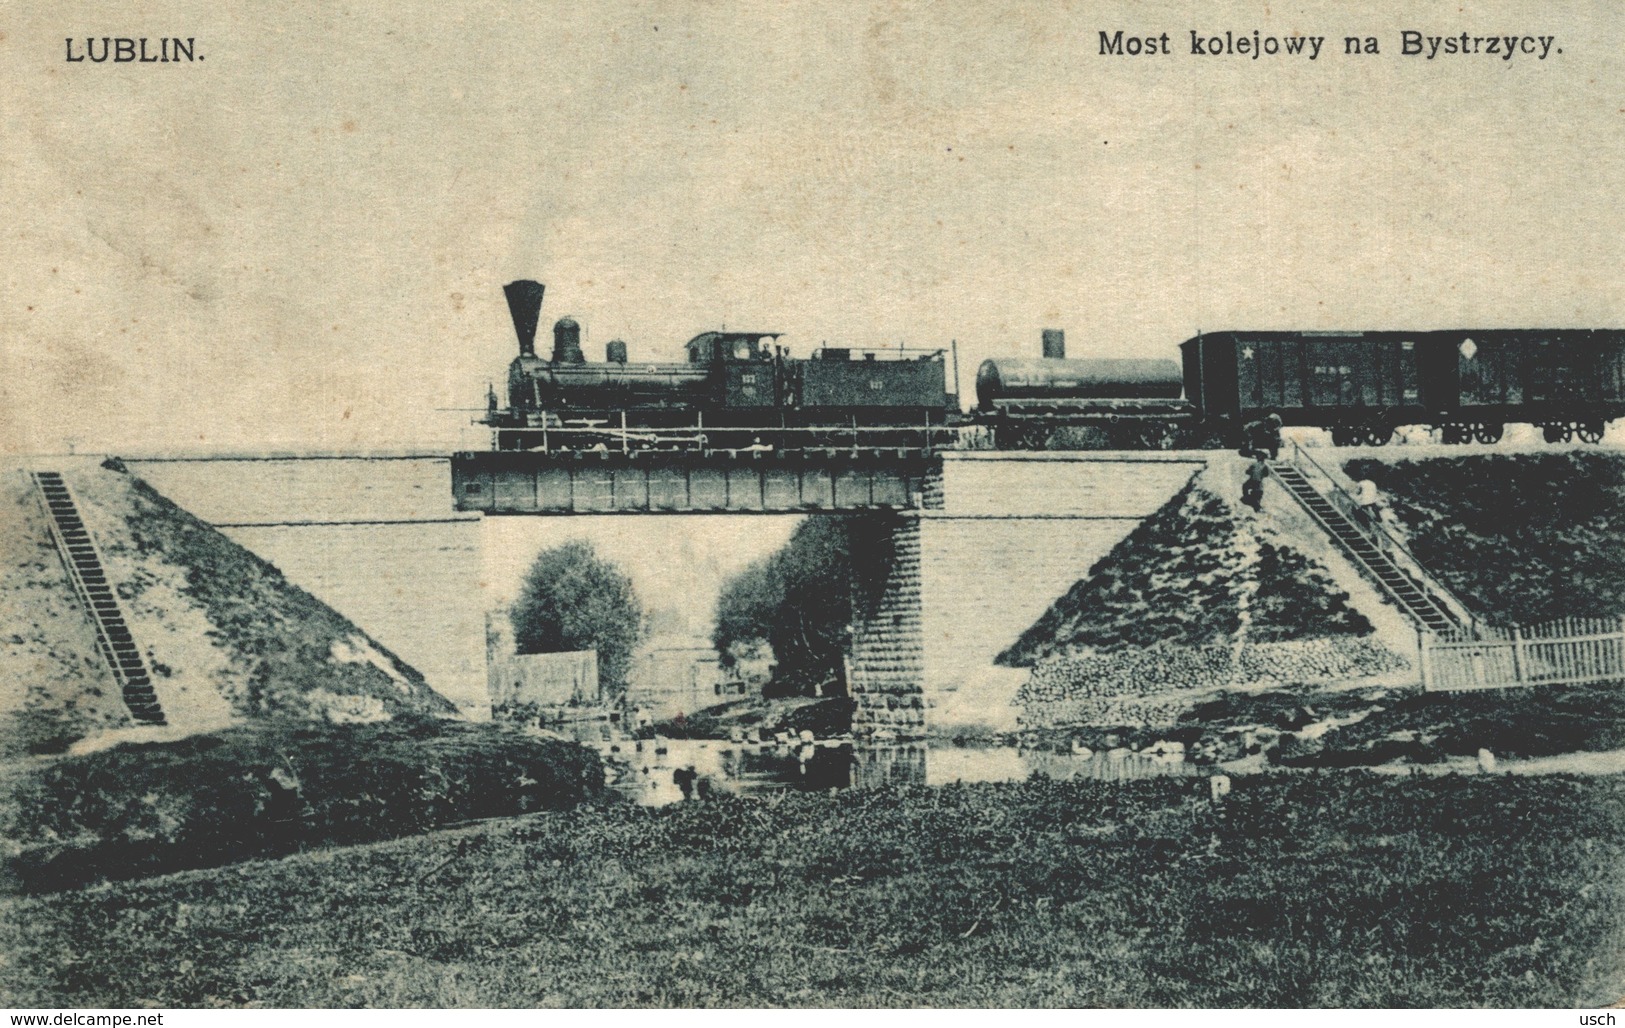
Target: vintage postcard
point(879, 504)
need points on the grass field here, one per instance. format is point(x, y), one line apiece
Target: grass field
point(267, 789)
point(1312, 890)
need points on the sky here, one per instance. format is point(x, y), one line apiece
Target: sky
point(299, 241)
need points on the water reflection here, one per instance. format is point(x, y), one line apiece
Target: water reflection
point(655, 772)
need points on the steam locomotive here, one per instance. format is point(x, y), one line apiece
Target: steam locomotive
point(736, 391)
point(741, 391)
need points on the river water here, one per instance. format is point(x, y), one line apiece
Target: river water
point(650, 771)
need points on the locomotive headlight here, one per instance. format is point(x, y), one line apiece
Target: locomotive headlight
point(1468, 348)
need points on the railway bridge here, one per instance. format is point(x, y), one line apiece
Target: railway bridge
point(960, 551)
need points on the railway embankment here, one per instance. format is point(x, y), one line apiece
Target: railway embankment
point(226, 638)
point(1520, 538)
point(288, 727)
point(1200, 598)
point(1149, 644)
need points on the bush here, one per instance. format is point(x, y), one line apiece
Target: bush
point(136, 810)
point(572, 599)
point(799, 602)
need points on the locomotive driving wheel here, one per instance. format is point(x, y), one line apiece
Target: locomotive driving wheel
point(1589, 432)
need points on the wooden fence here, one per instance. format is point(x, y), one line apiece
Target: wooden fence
point(1568, 651)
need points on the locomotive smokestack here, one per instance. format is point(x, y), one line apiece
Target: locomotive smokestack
point(525, 304)
point(1054, 344)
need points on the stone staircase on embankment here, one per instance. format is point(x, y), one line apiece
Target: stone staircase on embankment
point(1378, 557)
point(90, 583)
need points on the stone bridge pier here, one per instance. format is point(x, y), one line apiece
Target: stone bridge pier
point(886, 672)
point(938, 593)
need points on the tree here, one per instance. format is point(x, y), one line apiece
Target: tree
point(797, 600)
point(572, 599)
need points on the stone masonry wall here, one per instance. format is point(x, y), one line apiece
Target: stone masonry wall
point(1016, 530)
point(941, 592)
point(887, 667)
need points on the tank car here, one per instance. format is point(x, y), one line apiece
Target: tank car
point(735, 391)
point(1027, 384)
point(1061, 402)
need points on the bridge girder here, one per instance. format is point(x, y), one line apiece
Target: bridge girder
point(551, 484)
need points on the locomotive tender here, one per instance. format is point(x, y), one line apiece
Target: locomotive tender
point(741, 391)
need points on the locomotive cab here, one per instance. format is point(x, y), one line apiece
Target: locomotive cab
point(717, 347)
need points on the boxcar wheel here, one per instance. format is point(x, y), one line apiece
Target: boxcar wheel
point(1488, 434)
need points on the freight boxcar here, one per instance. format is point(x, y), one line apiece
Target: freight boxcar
point(1568, 382)
point(1362, 385)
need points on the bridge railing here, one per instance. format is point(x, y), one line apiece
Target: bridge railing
point(735, 440)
